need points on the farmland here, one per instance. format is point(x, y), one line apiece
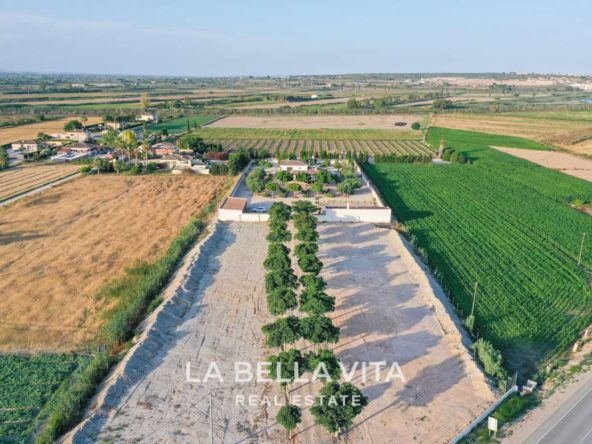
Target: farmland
point(26, 383)
point(19, 180)
point(179, 125)
point(568, 130)
point(496, 222)
point(371, 147)
point(61, 247)
point(384, 122)
point(305, 134)
point(12, 134)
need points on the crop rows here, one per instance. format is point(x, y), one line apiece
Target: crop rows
point(22, 179)
point(485, 225)
point(26, 384)
point(371, 147)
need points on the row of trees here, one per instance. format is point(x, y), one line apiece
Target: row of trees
point(281, 285)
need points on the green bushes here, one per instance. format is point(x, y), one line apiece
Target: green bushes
point(67, 406)
point(336, 417)
point(218, 169)
point(403, 158)
point(348, 186)
point(491, 359)
point(415, 126)
point(142, 283)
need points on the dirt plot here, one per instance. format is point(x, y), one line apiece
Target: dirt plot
point(569, 130)
point(564, 162)
point(13, 134)
point(215, 316)
point(57, 249)
point(317, 122)
point(21, 179)
point(388, 311)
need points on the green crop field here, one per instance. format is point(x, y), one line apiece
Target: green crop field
point(307, 134)
point(506, 224)
point(26, 384)
point(372, 147)
point(179, 125)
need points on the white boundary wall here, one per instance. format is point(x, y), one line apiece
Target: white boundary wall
point(372, 215)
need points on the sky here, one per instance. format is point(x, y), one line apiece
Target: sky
point(261, 37)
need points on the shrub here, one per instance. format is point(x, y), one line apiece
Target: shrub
point(284, 176)
point(287, 362)
point(490, 358)
point(256, 180)
point(282, 331)
point(289, 416)
point(325, 357)
point(338, 416)
point(280, 300)
point(304, 206)
point(318, 329)
point(306, 248)
point(415, 125)
point(309, 263)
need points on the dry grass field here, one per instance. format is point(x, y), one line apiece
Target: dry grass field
point(568, 130)
point(12, 134)
point(318, 122)
point(21, 179)
point(564, 162)
point(58, 249)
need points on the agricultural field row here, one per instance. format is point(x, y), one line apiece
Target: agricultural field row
point(495, 223)
point(15, 181)
point(26, 384)
point(306, 134)
point(371, 147)
point(182, 124)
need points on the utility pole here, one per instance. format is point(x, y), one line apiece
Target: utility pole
point(474, 298)
point(581, 248)
point(211, 422)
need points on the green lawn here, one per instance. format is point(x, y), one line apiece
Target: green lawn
point(180, 124)
point(504, 223)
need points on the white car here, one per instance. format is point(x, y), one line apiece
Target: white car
point(259, 210)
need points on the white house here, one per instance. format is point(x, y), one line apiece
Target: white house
point(148, 116)
point(77, 135)
point(293, 165)
point(25, 146)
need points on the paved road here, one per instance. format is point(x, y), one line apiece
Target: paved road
point(571, 423)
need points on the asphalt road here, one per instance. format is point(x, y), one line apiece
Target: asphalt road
point(571, 423)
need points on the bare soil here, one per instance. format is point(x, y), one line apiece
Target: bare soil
point(318, 122)
point(59, 248)
point(387, 309)
point(30, 131)
point(20, 179)
point(564, 162)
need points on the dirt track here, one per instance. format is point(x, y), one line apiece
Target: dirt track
point(387, 311)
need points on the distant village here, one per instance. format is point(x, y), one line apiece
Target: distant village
point(86, 144)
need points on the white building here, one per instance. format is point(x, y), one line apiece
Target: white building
point(148, 117)
point(293, 165)
point(25, 146)
point(77, 135)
